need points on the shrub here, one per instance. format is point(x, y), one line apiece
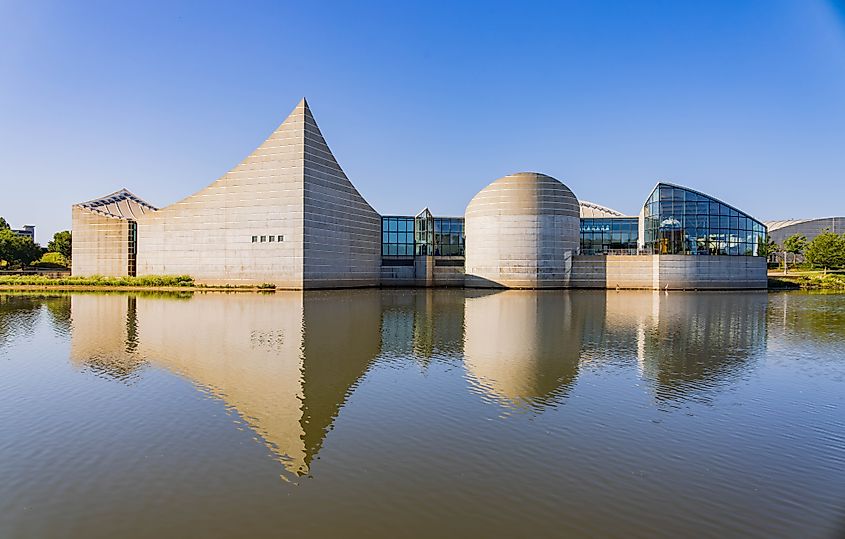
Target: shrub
point(51, 260)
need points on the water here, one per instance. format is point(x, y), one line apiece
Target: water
point(428, 413)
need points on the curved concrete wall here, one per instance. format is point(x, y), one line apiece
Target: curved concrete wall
point(521, 232)
point(291, 189)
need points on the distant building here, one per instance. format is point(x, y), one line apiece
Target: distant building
point(779, 231)
point(810, 228)
point(288, 215)
point(28, 231)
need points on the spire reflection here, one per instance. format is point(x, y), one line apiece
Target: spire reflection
point(248, 350)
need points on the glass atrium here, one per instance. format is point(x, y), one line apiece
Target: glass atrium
point(682, 221)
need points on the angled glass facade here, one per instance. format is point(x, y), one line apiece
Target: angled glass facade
point(681, 221)
point(609, 235)
point(424, 233)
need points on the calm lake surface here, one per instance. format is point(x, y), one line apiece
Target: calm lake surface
point(422, 413)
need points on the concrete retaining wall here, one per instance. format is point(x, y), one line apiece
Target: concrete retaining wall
point(426, 272)
point(398, 276)
point(672, 272)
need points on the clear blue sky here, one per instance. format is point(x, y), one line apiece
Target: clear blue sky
point(425, 104)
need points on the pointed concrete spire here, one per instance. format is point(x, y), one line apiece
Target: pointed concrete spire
point(291, 187)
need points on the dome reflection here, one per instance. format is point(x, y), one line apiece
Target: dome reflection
point(523, 347)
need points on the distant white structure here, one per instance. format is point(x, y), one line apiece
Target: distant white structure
point(591, 210)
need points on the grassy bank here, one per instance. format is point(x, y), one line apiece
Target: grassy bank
point(807, 280)
point(96, 282)
point(149, 281)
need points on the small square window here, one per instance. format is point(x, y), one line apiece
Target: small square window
point(263, 239)
point(281, 237)
point(254, 239)
point(271, 239)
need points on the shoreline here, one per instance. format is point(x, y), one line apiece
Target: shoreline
point(103, 288)
point(775, 285)
point(832, 281)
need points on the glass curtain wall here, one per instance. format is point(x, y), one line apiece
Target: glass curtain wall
point(682, 221)
point(404, 237)
point(397, 240)
point(609, 235)
point(448, 236)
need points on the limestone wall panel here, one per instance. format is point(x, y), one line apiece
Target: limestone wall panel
point(669, 272)
point(100, 244)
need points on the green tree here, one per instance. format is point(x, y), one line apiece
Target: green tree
point(769, 248)
point(827, 250)
point(61, 243)
point(8, 246)
point(3, 224)
point(18, 250)
point(795, 245)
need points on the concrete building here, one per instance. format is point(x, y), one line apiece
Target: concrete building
point(288, 215)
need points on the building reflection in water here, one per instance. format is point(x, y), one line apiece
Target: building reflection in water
point(695, 343)
point(248, 350)
point(527, 347)
point(286, 362)
point(523, 347)
point(423, 324)
point(686, 344)
point(104, 338)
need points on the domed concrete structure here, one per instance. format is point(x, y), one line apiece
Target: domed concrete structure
point(521, 232)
